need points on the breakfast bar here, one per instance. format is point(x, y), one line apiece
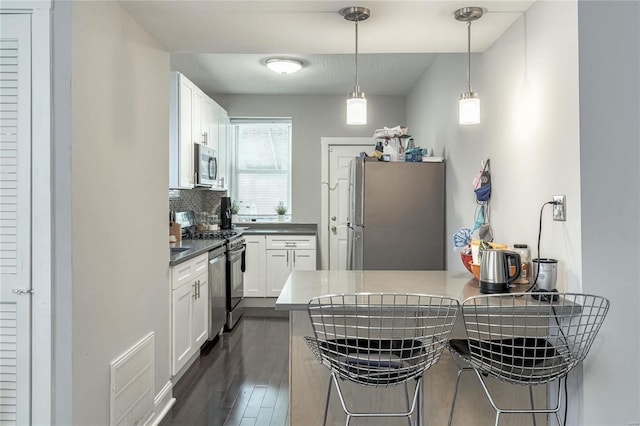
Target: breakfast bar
point(308, 379)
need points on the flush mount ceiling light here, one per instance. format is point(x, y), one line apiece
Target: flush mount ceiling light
point(356, 103)
point(469, 108)
point(284, 66)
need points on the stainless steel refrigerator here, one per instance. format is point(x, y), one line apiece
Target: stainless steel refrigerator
point(396, 216)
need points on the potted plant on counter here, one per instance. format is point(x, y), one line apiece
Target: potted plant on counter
point(235, 208)
point(281, 209)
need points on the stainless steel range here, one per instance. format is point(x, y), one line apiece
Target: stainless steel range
point(235, 284)
point(235, 266)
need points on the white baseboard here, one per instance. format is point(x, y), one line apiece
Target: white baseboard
point(162, 403)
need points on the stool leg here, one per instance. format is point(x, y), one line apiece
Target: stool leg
point(455, 395)
point(326, 405)
point(533, 415)
point(419, 422)
point(406, 398)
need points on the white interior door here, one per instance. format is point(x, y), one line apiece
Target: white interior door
point(339, 158)
point(15, 219)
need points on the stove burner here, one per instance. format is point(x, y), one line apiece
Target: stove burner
point(214, 235)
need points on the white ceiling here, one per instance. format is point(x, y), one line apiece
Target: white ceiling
point(222, 45)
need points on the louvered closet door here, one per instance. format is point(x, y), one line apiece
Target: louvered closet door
point(15, 218)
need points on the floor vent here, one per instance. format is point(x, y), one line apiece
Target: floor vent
point(132, 385)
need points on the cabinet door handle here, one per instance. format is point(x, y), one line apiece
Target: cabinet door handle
point(287, 258)
point(199, 284)
point(294, 260)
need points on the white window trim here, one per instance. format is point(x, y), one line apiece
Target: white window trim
point(233, 154)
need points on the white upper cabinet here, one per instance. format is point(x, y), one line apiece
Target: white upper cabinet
point(224, 127)
point(198, 118)
point(194, 118)
point(181, 155)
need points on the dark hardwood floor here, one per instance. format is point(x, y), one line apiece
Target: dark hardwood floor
point(242, 380)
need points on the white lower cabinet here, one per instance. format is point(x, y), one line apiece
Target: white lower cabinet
point(189, 310)
point(255, 266)
point(286, 254)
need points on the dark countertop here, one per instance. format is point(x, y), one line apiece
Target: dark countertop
point(281, 228)
point(198, 247)
point(194, 248)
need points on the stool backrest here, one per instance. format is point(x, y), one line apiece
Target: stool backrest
point(528, 339)
point(379, 338)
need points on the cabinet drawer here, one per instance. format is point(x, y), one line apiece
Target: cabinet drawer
point(291, 242)
point(186, 271)
point(201, 264)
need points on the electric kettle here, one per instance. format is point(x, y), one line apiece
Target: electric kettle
point(494, 270)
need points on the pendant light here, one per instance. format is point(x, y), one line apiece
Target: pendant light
point(356, 103)
point(469, 108)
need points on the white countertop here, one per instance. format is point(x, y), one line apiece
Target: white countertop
point(301, 286)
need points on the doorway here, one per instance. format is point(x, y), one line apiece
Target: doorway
point(336, 153)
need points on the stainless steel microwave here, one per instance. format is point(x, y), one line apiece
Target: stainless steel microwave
point(206, 166)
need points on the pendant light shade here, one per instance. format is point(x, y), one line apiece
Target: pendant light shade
point(469, 107)
point(356, 109)
point(356, 103)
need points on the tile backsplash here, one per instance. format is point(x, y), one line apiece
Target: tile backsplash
point(198, 200)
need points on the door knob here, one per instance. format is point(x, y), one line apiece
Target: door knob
point(334, 229)
point(333, 218)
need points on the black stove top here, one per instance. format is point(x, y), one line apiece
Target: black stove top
point(214, 235)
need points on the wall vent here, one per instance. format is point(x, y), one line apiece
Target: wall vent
point(132, 384)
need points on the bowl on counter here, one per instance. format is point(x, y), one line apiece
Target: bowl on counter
point(475, 269)
point(466, 258)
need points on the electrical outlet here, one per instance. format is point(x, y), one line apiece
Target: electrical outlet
point(560, 209)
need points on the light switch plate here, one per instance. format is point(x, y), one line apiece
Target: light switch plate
point(560, 209)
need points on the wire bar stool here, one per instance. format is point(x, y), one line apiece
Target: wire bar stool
point(380, 340)
point(527, 340)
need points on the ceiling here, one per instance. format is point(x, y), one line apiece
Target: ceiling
point(222, 45)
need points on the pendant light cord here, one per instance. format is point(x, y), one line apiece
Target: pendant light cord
point(469, 55)
point(357, 88)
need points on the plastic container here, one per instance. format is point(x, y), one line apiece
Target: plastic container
point(525, 263)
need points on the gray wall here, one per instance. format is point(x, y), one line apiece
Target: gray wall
point(111, 156)
point(610, 159)
point(313, 117)
point(528, 85)
point(432, 114)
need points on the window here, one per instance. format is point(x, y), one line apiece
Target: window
point(262, 165)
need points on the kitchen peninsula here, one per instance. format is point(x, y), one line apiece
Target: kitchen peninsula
point(308, 379)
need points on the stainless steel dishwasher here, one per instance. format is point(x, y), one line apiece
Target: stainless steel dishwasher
point(217, 288)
